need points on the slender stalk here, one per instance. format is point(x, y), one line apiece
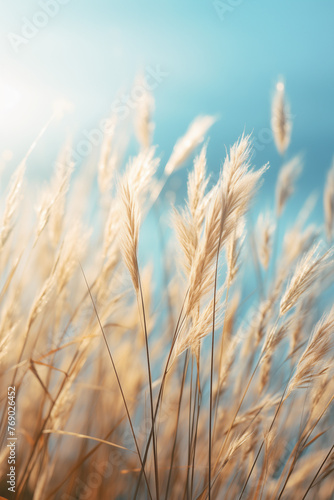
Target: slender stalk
point(260, 449)
point(177, 328)
point(301, 445)
point(220, 362)
point(199, 400)
point(118, 381)
point(318, 471)
point(213, 346)
point(177, 423)
point(156, 466)
point(190, 427)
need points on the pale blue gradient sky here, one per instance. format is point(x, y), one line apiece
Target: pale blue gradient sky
point(93, 49)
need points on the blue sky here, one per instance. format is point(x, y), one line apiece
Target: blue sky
point(92, 50)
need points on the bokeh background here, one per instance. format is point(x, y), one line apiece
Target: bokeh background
point(213, 57)
point(218, 57)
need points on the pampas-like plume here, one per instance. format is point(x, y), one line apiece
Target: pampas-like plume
point(229, 201)
point(138, 180)
point(236, 444)
point(187, 236)
point(197, 184)
point(329, 204)
point(285, 182)
point(233, 250)
point(189, 222)
point(200, 328)
point(310, 268)
point(280, 119)
point(265, 231)
point(130, 222)
point(259, 322)
point(192, 138)
point(299, 323)
point(264, 373)
point(273, 338)
point(312, 363)
point(140, 172)
point(227, 362)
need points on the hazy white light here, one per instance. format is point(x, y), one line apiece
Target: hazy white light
point(9, 97)
point(7, 155)
point(62, 106)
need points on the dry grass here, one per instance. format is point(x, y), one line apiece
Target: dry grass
point(118, 394)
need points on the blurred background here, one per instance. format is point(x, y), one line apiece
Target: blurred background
point(209, 57)
point(201, 57)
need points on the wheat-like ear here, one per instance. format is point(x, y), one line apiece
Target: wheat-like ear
point(236, 444)
point(140, 172)
point(274, 337)
point(233, 250)
point(229, 201)
point(299, 323)
point(130, 222)
point(285, 182)
point(312, 363)
point(197, 185)
point(329, 204)
point(280, 119)
point(189, 222)
point(186, 144)
point(124, 212)
point(200, 327)
point(310, 268)
point(225, 367)
point(201, 274)
point(187, 236)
